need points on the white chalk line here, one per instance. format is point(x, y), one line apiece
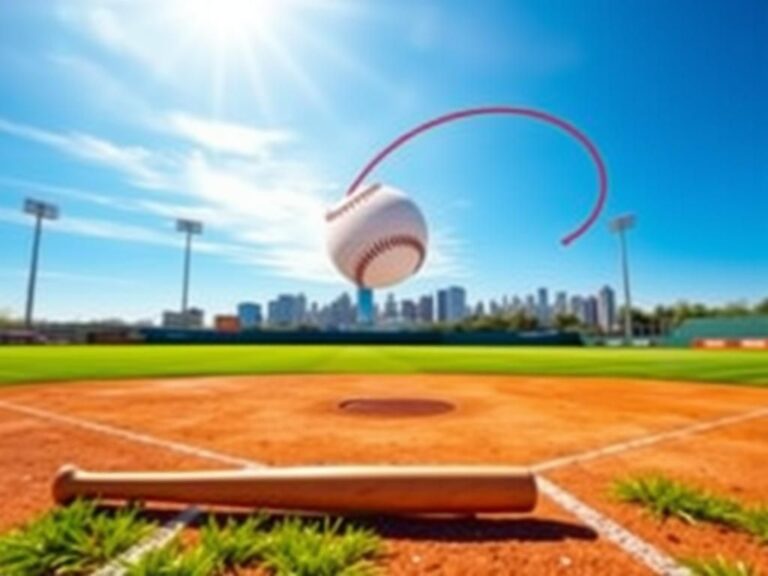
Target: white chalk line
point(632, 544)
point(125, 434)
point(166, 533)
point(647, 554)
point(644, 441)
point(159, 538)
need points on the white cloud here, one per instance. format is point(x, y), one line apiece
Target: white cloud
point(142, 167)
point(226, 137)
point(66, 192)
point(108, 230)
point(269, 210)
point(56, 276)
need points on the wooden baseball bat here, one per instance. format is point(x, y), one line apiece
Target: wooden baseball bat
point(360, 489)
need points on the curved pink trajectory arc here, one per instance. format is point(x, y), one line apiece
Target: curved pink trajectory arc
point(513, 111)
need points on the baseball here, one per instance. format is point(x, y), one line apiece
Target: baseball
point(377, 236)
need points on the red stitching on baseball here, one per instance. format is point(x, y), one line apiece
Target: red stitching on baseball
point(351, 202)
point(382, 246)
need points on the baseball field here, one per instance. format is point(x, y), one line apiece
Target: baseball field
point(647, 461)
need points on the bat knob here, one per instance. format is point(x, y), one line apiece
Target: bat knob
point(62, 484)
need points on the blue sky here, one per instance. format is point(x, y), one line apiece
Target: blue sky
point(255, 116)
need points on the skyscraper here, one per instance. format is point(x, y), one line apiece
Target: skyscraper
point(426, 309)
point(530, 306)
point(249, 314)
point(365, 308)
point(451, 304)
point(576, 308)
point(390, 308)
point(542, 307)
point(408, 311)
point(590, 311)
point(340, 314)
point(606, 310)
point(561, 304)
point(287, 310)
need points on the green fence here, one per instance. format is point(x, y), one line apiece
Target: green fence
point(726, 328)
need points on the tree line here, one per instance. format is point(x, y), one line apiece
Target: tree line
point(659, 320)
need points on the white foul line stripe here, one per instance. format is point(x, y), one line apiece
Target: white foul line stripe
point(644, 441)
point(160, 538)
point(644, 552)
point(166, 533)
point(145, 439)
point(639, 549)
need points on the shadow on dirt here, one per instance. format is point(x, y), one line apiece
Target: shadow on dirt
point(426, 528)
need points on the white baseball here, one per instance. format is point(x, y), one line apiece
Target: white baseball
point(377, 236)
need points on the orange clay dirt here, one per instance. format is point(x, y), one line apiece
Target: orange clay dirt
point(283, 420)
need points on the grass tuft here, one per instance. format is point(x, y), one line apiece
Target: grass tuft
point(717, 566)
point(71, 541)
point(313, 548)
point(666, 498)
point(234, 544)
point(290, 547)
point(172, 560)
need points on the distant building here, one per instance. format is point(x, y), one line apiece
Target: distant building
point(192, 318)
point(408, 311)
point(426, 309)
point(287, 310)
point(390, 308)
point(340, 314)
point(560, 307)
point(226, 323)
point(530, 306)
point(250, 315)
point(451, 304)
point(590, 311)
point(576, 307)
point(495, 308)
point(542, 307)
point(366, 311)
point(606, 310)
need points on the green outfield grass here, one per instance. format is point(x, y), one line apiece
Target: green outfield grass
point(48, 363)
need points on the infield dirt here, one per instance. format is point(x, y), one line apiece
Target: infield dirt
point(283, 420)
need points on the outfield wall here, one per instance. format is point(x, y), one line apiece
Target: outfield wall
point(729, 332)
point(549, 338)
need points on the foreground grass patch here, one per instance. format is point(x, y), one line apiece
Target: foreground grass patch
point(665, 498)
point(718, 566)
point(71, 541)
point(173, 560)
point(289, 547)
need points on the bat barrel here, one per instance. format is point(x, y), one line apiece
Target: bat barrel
point(359, 489)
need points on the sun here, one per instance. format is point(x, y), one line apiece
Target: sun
point(264, 47)
point(227, 23)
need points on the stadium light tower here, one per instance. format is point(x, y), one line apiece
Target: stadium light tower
point(41, 211)
point(619, 226)
point(189, 227)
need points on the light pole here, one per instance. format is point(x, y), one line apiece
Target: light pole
point(41, 211)
point(619, 226)
point(189, 227)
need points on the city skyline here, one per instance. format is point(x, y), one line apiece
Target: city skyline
point(448, 305)
point(138, 133)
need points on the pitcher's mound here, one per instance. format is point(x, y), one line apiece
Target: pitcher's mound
point(395, 406)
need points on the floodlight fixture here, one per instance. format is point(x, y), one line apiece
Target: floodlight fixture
point(189, 228)
point(41, 211)
point(619, 226)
